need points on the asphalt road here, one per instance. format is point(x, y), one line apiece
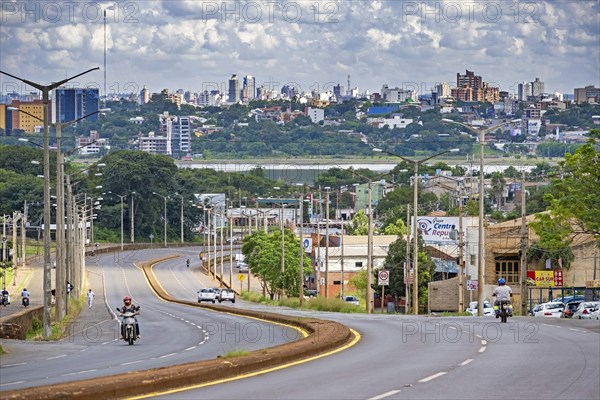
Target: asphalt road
point(398, 356)
point(171, 333)
point(402, 357)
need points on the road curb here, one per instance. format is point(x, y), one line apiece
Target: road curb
point(323, 336)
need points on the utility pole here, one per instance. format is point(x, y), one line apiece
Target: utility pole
point(407, 264)
point(327, 242)
point(480, 262)
point(301, 269)
point(370, 253)
point(523, 247)
point(131, 222)
point(461, 279)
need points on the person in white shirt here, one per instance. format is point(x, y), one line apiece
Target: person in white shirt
point(90, 298)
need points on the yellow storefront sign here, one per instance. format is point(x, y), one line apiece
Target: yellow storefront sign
point(544, 278)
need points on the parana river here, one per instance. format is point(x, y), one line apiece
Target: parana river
point(307, 171)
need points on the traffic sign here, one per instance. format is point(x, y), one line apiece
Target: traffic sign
point(241, 277)
point(384, 278)
point(471, 285)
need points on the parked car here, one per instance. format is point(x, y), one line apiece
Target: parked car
point(351, 300)
point(243, 267)
point(585, 309)
point(550, 309)
point(595, 314)
point(226, 295)
point(206, 294)
point(570, 308)
point(488, 309)
point(568, 299)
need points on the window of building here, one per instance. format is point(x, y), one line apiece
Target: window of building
point(358, 264)
point(473, 259)
point(507, 267)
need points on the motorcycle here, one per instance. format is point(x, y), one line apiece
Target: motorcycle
point(5, 299)
point(25, 301)
point(504, 312)
point(128, 325)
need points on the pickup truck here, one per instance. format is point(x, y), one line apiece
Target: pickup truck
point(227, 295)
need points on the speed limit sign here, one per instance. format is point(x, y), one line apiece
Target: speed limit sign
point(384, 278)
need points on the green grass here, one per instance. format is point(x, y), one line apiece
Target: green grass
point(313, 303)
point(57, 329)
point(454, 314)
point(235, 353)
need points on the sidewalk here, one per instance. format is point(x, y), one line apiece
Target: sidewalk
point(30, 277)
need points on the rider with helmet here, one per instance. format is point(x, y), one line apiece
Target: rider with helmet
point(129, 306)
point(502, 293)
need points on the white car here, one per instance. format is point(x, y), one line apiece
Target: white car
point(243, 267)
point(206, 294)
point(595, 314)
point(351, 300)
point(585, 309)
point(488, 309)
point(551, 309)
point(226, 295)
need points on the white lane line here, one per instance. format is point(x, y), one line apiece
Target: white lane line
point(452, 327)
point(479, 336)
point(467, 361)
point(132, 362)
point(54, 358)
point(190, 348)
point(384, 395)
point(575, 330)
point(429, 378)
point(11, 383)
point(483, 342)
point(13, 365)
point(482, 349)
point(547, 324)
point(79, 372)
point(167, 355)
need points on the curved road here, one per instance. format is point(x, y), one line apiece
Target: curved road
point(171, 333)
point(398, 357)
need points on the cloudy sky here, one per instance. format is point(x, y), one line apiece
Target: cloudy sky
point(196, 45)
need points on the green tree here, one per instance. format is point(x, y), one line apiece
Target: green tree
point(574, 205)
point(359, 225)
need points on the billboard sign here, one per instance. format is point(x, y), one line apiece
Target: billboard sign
point(438, 230)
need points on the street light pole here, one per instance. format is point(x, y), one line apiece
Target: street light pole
point(416, 164)
point(45, 89)
point(327, 188)
point(181, 216)
point(165, 214)
point(121, 197)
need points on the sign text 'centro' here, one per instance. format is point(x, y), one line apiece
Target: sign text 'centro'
point(438, 229)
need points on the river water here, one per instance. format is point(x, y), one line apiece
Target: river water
point(306, 172)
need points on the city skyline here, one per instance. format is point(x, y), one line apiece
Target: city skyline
point(198, 45)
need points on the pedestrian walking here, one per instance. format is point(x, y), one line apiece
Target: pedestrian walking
point(90, 298)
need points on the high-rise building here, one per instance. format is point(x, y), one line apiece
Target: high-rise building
point(589, 94)
point(249, 91)
point(397, 95)
point(524, 91)
point(144, 95)
point(234, 89)
point(537, 87)
point(469, 79)
point(22, 121)
point(177, 130)
point(207, 99)
point(338, 91)
point(73, 103)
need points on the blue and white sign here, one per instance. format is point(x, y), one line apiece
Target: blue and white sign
point(307, 244)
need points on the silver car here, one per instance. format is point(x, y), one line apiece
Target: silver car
point(585, 309)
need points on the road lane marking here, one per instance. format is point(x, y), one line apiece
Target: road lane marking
point(79, 372)
point(11, 383)
point(132, 362)
point(467, 361)
point(190, 348)
point(479, 336)
point(429, 378)
point(167, 355)
point(54, 358)
point(483, 342)
point(452, 327)
point(13, 365)
point(384, 395)
point(482, 349)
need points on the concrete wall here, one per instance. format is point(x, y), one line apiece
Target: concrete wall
point(15, 326)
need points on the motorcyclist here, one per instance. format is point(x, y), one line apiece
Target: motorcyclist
point(25, 295)
point(501, 293)
point(5, 296)
point(188, 262)
point(129, 306)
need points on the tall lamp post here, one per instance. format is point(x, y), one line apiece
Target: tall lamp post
point(45, 89)
point(165, 214)
point(416, 164)
point(480, 254)
point(181, 215)
point(121, 197)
